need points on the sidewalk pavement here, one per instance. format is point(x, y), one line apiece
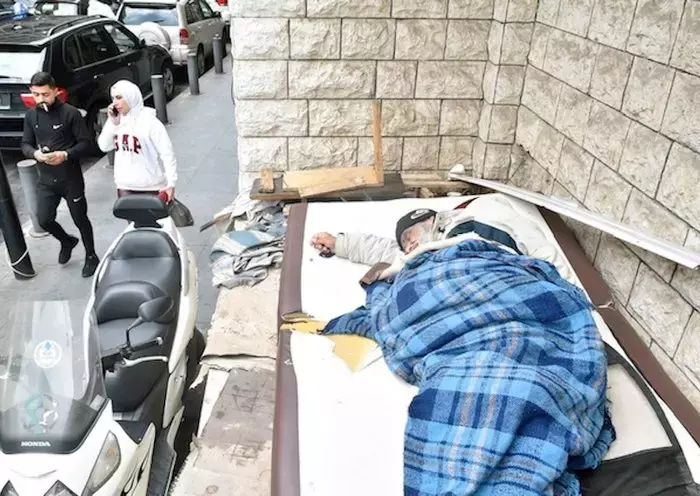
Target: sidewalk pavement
point(202, 129)
point(231, 454)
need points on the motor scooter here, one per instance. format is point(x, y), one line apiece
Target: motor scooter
point(92, 398)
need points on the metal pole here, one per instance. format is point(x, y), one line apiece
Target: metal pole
point(29, 177)
point(15, 244)
point(193, 73)
point(110, 159)
point(158, 86)
point(218, 54)
point(110, 154)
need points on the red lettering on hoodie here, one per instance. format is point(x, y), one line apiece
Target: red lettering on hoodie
point(135, 146)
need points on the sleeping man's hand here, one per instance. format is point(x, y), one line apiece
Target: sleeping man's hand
point(324, 243)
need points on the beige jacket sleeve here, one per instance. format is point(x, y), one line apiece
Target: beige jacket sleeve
point(366, 249)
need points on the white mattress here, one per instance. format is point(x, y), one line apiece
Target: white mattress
point(351, 426)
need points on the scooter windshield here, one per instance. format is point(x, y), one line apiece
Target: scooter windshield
point(51, 383)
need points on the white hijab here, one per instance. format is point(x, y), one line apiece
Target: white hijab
point(132, 94)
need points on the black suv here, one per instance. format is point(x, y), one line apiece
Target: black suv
point(85, 54)
point(6, 10)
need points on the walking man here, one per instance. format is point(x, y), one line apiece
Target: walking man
point(56, 136)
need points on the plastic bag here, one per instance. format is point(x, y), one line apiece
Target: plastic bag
point(181, 215)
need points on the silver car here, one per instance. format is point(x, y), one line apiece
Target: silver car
point(179, 26)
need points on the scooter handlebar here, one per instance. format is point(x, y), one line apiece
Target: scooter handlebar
point(121, 354)
point(144, 346)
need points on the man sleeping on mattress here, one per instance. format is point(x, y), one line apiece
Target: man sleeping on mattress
point(478, 218)
point(510, 367)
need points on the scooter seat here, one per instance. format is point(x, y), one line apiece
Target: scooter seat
point(146, 255)
point(116, 308)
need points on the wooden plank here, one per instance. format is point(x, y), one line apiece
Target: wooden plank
point(293, 180)
point(434, 184)
point(392, 188)
point(321, 181)
point(339, 180)
point(267, 181)
point(277, 195)
point(312, 183)
point(377, 140)
point(336, 186)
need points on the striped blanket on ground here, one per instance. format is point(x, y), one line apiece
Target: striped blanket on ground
point(243, 257)
point(510, 368)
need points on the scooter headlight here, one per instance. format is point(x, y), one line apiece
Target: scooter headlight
point(8, 490)
point(105, 466)
point(59, 489)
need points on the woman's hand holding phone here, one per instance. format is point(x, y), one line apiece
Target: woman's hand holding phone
point(114, 115)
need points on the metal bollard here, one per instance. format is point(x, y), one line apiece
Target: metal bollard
point(218, 54)
point(29, 178)
point(110, 154)
point(15, 245)
point(193, 73)
point(158, 86)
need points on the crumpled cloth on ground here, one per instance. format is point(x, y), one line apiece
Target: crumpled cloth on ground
point(243, 206)
point(243, 257)
point(269, 220)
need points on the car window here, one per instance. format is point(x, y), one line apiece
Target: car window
point(193, 12)
point(94, 45)
point(133, 15)
point(57, 8)
point(20, 63)
point(71, 53)
point(124, 42)
point(206, 9)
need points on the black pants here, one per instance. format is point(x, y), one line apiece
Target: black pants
point(48, 198)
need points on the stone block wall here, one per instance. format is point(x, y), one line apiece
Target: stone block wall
point(307, 71)
point(594, 100)
point(508, 46)
point(610, 118)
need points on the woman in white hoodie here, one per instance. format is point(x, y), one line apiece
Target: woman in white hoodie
point(144, 161)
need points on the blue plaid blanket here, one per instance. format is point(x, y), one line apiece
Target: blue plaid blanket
point(510, 368)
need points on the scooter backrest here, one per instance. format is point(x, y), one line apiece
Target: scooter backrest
point(144, 210)
point(122, 301)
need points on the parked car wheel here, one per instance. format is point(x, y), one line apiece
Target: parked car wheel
point(201, 61)
point(168, 80)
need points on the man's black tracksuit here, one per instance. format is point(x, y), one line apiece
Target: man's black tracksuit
point(61, 128)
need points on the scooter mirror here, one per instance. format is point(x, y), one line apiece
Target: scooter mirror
point(155, 309)
point(150, 311)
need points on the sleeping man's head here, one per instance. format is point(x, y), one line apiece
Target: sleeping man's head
point(415, 228)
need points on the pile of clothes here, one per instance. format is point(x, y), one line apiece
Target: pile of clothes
point(244, 255)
